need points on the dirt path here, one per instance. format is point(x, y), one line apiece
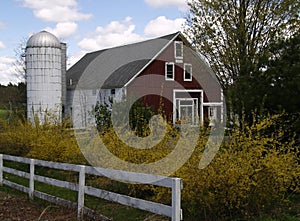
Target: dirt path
point(17, 207)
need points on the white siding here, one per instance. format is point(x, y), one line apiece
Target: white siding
point(81, 103)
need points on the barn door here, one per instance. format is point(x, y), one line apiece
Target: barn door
point(188, 110)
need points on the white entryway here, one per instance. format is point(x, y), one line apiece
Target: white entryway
point(187, 107)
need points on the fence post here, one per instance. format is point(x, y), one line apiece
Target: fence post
point(31, 179)
point(176, 199)
point(81, 193)
point(1, 169)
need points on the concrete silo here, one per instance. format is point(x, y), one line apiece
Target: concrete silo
point(45, 66)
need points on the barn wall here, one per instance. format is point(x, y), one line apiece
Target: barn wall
point(153, 80)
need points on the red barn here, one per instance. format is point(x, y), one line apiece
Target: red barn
point(165, 72)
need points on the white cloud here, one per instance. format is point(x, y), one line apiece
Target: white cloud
point(162, 26)
point(8, 71)
point(2, 45)
point(56, 11)
point(123, 32)
point(63, 30)
point(74, 58)
point(114, 34)
point(181, 4)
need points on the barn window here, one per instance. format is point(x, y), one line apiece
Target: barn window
point(178, 49)
point(169, 71)
point(187, 72)
point(113, 91)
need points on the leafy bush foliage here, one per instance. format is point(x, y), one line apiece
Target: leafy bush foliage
point(139, 116)
point(140, 156)
point(251, 175)
point(255, 171)
point(102, 113)
point(51, 141)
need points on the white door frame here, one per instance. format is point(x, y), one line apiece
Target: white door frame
point(200, 99)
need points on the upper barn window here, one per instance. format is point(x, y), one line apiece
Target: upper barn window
point(187, 72)
point(178, 49)
point(169, 71)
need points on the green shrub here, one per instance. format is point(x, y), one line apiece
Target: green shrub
point(139, 116)
point(102, 115)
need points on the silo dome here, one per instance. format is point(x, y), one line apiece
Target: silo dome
point(43, 39)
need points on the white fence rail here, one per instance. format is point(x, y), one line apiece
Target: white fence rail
point(174, 211)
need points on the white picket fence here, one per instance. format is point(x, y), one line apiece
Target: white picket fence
point(174, 211)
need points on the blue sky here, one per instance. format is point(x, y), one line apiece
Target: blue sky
point(85, 25)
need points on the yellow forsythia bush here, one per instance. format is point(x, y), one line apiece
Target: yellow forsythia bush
point(51, 141)
point(140, 156)
point(16, 138)
point(251, 174)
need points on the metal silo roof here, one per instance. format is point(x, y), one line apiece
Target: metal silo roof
point(43, 39)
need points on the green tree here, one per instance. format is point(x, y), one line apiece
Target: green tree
point(281, 74)
point(233, 34)
point(13, 98)
point(274, 86)
point(237, 38)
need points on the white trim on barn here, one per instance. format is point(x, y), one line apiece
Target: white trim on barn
point(199, 101)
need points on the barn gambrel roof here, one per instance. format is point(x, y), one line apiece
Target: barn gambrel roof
point(116, 67)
